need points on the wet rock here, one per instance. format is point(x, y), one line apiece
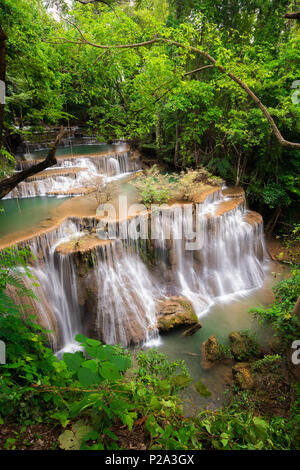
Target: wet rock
point(242, 376)
point(212, 350)
point(242, 346)
point(175, 312)
point(191, 331)
point(202, 389)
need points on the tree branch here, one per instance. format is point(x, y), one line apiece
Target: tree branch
point(199, 69)
point(293, 16)
point(213, 61)
point(86, 2)
point(8, 184)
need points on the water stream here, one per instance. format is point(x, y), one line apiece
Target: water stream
point(110, 290)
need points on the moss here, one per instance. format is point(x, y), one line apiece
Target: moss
point(202, 389)
point(189, 310)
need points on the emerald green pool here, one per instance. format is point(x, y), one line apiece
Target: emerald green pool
point(21, 214)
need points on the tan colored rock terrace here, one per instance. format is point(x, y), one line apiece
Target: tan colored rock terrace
point(228, 206)
point(81, 245)
point(253, 218)
point(235, 191)
point(56, 172)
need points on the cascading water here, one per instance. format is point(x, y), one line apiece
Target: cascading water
point(121, 306)
point(57, 279)
point(229, 259)
point(126, 296)
point(113, 167)
point(71, 174)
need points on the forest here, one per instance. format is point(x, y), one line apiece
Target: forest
point(149, 225)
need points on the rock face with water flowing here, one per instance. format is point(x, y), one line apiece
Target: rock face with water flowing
point(124, 291)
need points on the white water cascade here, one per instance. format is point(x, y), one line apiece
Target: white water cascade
point(126, 296)
point(57, 279)
point(113, 295)
point(73, 175)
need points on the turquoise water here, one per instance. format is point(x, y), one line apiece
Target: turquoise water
point(20, 214)
point(78, 150)
point(222, 318)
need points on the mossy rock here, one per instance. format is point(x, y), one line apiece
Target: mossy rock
point(242, 346)
point(202, 389)
point(175, 312)
point(181, 381)
point(242, 376)
point(212, 349)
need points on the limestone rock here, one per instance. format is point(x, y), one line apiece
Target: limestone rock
point(175, 312)
point(242, 347)
point(242, 376)
point(192, 330)
point(211, 349)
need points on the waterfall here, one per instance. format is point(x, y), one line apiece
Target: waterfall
point(229, 260)
point(126, 296)
point(113, 167)
point(71, 174)
point(57, 279)
point(110, 290)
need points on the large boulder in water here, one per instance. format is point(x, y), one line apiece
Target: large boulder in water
point(175, 312)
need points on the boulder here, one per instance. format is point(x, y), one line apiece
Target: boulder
point(212, 350)
point(242, 346)
point(175, 312)
point(192, 330)
point(242, 376)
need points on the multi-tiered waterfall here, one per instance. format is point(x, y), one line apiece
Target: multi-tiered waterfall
point(108, 288)
point(73, 175)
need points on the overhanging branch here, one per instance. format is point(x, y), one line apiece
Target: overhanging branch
point(8, 184)
point(250, 93)
point(293, 16)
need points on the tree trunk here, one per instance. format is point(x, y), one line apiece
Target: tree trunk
point(273, 221)
point(176, 151)
point(293, 16)
point(8, 184)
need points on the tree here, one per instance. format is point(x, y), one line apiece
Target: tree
point(206, 55)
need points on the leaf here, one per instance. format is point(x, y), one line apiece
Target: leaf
point(73, 361)
point(153, 427)
point(68, 441)
point(81, 429)
point(62, 417)
point(81, 338)
point(87, 377)
point(121, 363)
point(109, 371)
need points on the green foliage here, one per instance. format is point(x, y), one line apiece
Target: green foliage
point(28, 361)
point(159, 188)
point(268, 361)
point(279, 314)
point(13, 270)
